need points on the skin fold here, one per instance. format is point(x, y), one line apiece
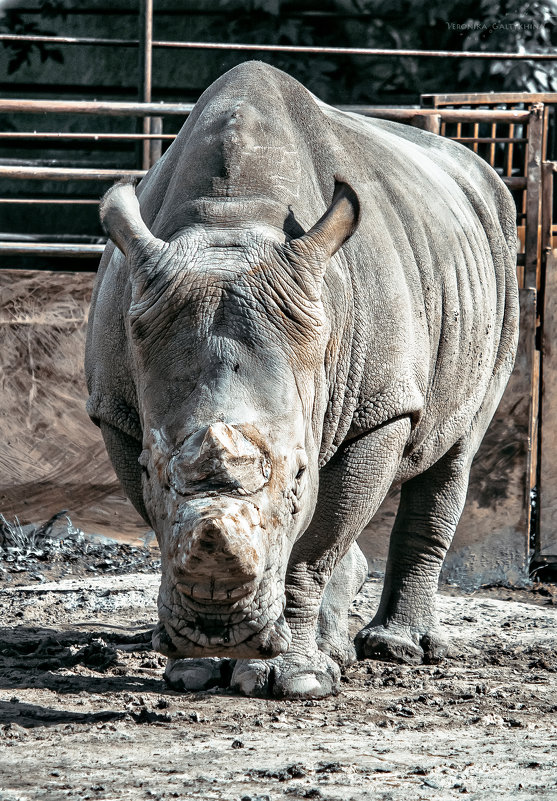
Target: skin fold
point(299, 309)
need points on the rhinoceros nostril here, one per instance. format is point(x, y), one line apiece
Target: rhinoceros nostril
point(210, 537)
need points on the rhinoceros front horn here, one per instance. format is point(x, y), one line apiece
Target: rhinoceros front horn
point(121, 216)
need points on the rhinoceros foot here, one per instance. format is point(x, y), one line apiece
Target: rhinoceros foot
point(191, 675)
point(396, 643)
point(340, 649)
point(287, 677)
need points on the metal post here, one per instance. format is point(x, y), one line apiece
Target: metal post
point(546, 542)
point(427, 122)
point(548, 170)
point(533, 193)
point(145, 69)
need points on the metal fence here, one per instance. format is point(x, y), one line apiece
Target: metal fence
point(512, 132)
point(524, 125)
point(146, 139)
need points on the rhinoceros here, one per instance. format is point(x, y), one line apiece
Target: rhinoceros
point(300, 308)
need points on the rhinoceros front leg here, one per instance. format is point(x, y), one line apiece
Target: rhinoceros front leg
point(405, 627)
point(351, 489)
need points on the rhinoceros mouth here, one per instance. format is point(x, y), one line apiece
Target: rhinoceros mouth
point(230, 598)
point(244, 634)
point(269, 642)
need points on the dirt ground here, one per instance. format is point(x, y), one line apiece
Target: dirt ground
point(85, 713)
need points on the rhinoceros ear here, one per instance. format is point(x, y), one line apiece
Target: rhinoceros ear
point(333, 229)
point(121, 217)
point(310, 253)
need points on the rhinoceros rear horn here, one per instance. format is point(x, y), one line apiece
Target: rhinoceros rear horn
point(333, 229)
point(121, 216)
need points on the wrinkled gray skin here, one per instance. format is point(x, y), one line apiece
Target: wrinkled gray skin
point(304, 308)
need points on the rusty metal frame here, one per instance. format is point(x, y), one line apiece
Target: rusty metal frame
point(269, 48)
point(538, 275)
point(537, 104)
point(152, 137)
point(487, 98)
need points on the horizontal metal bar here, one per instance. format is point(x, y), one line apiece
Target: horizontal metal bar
point(341, 51)
point(99, 107)
point(356, 51)
point(101, 137)
point(50, 201)
point(66, 174)
point(66, 40)
point(488, 139)
point(69, 162)
point(447, 115)
point(122, 109)
point(484, 98)
point(514, 182)
point(46, 249)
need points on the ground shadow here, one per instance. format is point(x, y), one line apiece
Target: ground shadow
point(31, 715)
point(25, 679)
point(30, 658)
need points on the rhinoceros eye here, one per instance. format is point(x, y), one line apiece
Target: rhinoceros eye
point(300, 472)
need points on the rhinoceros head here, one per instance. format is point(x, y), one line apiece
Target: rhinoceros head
point(227, 338)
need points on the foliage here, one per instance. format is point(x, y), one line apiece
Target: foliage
point(513, 25)
point(459, 25)
point(13, 21)
point(491, 25)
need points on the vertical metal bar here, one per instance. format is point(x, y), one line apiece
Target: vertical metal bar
point(545, 131)
point(492, 145)
point(476, 134)
point(145, 69)
point(533, 191)
point(510, 148)
point(546, 537)
point(145, 49)
point(524, 195)
point(547, 206)
point(156, 144)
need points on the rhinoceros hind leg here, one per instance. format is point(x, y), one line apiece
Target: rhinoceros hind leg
point(296, 677)
point(192, 675)
point(405, 627)
point(333, 635)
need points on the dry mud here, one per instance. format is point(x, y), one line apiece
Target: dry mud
point(85, 713)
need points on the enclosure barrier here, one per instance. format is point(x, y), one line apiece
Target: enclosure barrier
point(43, 315)
point(433, 120)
